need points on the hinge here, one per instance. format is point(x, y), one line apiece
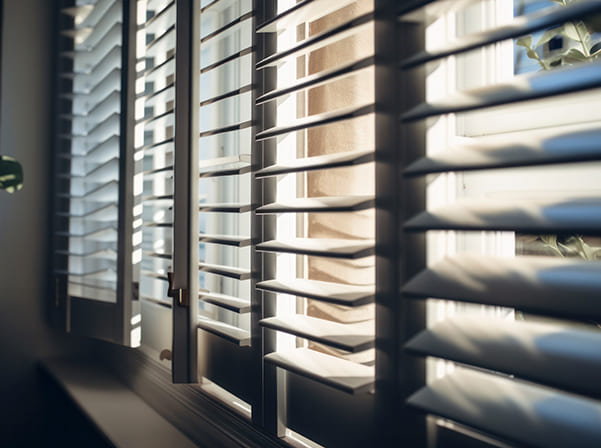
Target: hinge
point(180, 295)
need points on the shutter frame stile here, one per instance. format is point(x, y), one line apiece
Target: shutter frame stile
point(185, 248)
point(513, 378)
point(399, 254)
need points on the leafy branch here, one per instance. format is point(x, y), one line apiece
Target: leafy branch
point(578, 32)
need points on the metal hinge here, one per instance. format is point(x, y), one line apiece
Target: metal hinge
point(180, 295)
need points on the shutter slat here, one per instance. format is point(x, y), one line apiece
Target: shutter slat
point(316, 120)
point(102, 253)
point(155, 93)
point(521, 26)
point(226, 95)
point(536, 284)
point(91, 86)
point(350, 337)
point(317, 163)
point(150, 199)
point(161, 13)
point(102, 274)
point(224, 208)
point(226, 27)
point(226, 59)
point(224, 129)
point(306, 46)
point(160, 255)
point(547, 148)
point(303, 11)
point(234, 304)
point(548, 354)
point(107, 22)
point(169, 32)
point(519, 412)
point(225, 271)
point(107, 234)
point(154, 146)
point(343, 375)
point(103, 213)
point(227, 240)
point(163, 65)
point(322, 247)
point(522, 88)
point(105, 192)
point(576, 215)
point(225, 331)
point(319, 205)
point(336, 293)
point(232, 169)
point(166, 225)
point(317, 79)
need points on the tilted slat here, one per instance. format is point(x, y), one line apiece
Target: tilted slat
point(316, 120)
point(316, 205)
point(317, 79)
point(235, 21)
point(546, 148)
point(350, 337)
point(321, 247)
point(557, 356)
point(107, 234)
point(347, 295)
point(227, 169)
point(226, 271)
point(317, 163)
point(576, 215)
point(234, 304)
point(541, 285)
point(107, 212)
point(227, 332)
point(320, 40)
point(522, 88)
point(528, 415)
point(224, 208)
point(302, 11)
point(161, 255)
point(334, 372)
point(105, 192)
point(540, 20)
point(226, 240)
point(169, 32)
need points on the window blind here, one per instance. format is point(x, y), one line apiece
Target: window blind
point(91, 245)
point(519, 368)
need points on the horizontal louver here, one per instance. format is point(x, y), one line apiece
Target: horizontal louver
point(520, 220)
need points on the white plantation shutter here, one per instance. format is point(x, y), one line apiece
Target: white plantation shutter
point(225, 117)
point(318, 145)
point(93, 270)
point(525, 374)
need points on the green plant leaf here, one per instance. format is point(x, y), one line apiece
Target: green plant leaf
point(11, 174)
point(524, 41)
point(573, 56)
point(548, 35)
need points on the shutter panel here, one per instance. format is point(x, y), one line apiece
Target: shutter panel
point(94, 176)
point(317, 140)
point(226, 118)
point(155, 134)
point(528, 379)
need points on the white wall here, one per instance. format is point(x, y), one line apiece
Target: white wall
point(25, 338)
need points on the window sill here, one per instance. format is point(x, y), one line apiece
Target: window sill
point(119, 414)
